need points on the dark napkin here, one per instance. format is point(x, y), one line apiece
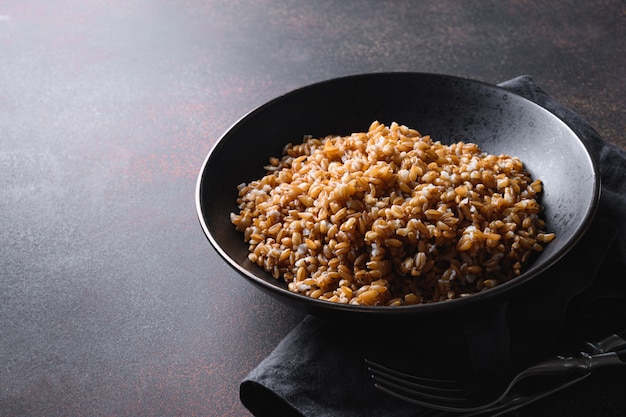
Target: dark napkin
point(318, 369)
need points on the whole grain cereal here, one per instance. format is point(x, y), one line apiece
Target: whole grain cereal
point(391, 217)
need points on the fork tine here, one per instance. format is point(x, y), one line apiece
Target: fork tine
point(409, 394)
point(434, 384)
point(418, 390)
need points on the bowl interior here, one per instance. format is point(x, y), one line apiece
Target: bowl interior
point(450, 109)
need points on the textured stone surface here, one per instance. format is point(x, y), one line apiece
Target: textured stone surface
point(112, 302)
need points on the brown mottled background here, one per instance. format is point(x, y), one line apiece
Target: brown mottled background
point(112, 302)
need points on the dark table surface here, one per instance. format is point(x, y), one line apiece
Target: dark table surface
point(112, 302)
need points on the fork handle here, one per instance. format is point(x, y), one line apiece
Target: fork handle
point(614, 341)
point(589, 362)
point(583, 364)
point(617, 357)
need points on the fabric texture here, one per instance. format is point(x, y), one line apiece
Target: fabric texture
point(318, 369)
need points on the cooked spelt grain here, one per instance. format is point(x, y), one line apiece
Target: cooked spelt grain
point(391, 217)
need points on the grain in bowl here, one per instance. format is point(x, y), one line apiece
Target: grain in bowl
point(391, 217)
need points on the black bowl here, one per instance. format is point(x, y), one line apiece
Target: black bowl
point(449, 109)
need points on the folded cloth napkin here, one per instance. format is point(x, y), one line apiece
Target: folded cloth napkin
point(318, 369)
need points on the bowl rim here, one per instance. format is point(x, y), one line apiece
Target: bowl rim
point(313, 305)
